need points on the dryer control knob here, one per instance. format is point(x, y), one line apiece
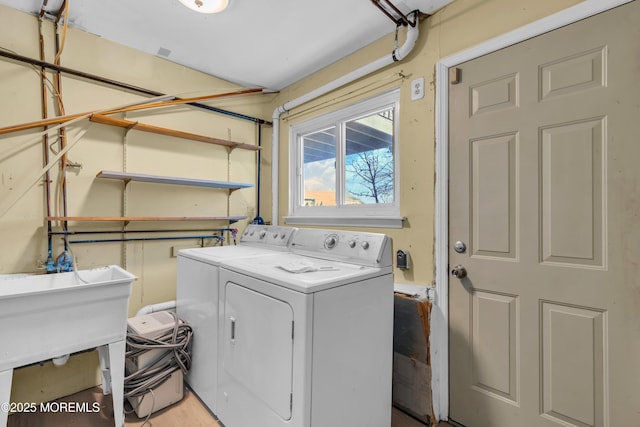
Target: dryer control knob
point(365, 245)
point(262, 234)
point(352, 244)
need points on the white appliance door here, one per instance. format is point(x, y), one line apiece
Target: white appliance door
point(258, 347)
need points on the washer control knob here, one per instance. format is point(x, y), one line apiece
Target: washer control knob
point(365, 245)
point(352, 244)
point(262, 234)
point(331, 241)
point(283, 235)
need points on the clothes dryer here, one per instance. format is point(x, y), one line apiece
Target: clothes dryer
point(306, 337)
point(197, 298)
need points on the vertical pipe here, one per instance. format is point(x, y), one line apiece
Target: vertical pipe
point(62, 134)
point(125, 199)
point(45, 140)
point(259, 166)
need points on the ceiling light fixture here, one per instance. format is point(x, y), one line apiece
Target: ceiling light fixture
point(206, 6)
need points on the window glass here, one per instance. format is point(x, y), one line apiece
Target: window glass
point(319, 172)
point(344, 165)
point(369, 163)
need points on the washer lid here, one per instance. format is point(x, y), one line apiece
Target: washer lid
point(302, 273)
point(216, 254)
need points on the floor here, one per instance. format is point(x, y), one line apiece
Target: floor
point(189, 411)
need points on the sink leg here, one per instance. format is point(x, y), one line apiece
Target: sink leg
point(5, 394)
point(103, 354)
point(116, 368)
point(112, 369)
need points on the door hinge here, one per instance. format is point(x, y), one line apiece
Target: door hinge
point(291, 402)
point(292, 329)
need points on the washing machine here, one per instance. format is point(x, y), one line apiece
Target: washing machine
point(197, 298)
point(306, 337)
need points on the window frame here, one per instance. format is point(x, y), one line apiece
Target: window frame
point(371, 215)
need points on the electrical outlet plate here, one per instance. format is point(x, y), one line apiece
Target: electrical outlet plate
point(417, 89)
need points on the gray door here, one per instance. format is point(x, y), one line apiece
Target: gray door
point(545, 193)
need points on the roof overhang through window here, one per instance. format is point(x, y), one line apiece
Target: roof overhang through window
point(360, 138)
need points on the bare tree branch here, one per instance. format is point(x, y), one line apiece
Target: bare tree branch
point(374, 169)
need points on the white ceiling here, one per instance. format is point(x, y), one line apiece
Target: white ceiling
point(254, 43)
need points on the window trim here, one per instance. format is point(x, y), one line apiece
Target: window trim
point(371, 215)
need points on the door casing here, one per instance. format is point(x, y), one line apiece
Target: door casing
point(439, 338)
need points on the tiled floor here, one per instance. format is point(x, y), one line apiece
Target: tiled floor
point(188, 412)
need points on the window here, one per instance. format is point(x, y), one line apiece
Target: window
point(344, 166)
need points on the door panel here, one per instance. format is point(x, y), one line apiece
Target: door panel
point(544, 188)
point(258, 346)
point(493, 179)
point(574, 73)
point(572, 164)
point(495, 345)
point(573, 363)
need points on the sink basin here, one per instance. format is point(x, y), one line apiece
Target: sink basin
point(45, 316)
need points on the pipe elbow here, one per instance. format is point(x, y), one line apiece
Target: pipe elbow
point(163, 306)
point(412, 35)
point(278, 112)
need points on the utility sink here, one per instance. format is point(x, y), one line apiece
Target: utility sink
point(47, 316)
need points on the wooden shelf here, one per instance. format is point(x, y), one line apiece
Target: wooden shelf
point(126, 176)
point(127, 124)
point(231, 219)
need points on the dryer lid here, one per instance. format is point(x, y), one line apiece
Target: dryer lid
point(304, 274)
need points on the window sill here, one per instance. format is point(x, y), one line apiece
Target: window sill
point(356, 221)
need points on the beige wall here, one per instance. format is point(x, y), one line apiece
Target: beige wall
point(459, 26)
point(23, 246)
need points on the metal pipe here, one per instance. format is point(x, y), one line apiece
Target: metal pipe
point(71, 233)
point(164, 103)
point(401, 18)
point(45, 137)
point(228, 113)
point(62, 131)
point(258, 178)
point(70, 71)
point(63, 6)
point(138, 89)
point(144, 239)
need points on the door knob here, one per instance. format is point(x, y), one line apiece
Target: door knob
point(459, 271)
